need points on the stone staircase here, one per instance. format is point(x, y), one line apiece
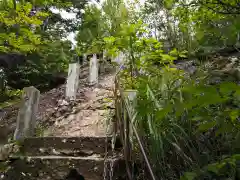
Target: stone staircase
point(75, 143)
point(53, 158)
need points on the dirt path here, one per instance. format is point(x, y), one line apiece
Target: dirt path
point(90, 116)
point(90, 113)
point(87, 116)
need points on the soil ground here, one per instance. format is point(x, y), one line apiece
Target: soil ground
point(87, 116)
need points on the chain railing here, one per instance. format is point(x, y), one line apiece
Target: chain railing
point(125, 117)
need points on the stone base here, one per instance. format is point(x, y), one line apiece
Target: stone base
point(53, 158)
point(68, 146)
point(58, 168)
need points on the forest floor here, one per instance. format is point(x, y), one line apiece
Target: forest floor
point(88, 115)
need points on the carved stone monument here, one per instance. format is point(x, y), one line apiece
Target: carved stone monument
point(93, 70)
point(26, 120)
point(72, 80)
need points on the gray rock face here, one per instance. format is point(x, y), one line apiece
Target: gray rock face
point(188, 66)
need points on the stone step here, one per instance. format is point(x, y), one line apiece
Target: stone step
point(58, 167)
point(68, 146)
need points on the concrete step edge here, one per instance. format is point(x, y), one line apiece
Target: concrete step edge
point(96, 158)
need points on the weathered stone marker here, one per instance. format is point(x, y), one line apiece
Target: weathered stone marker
point(2, 81)
point(26, 120)
point(102, 63)
point(72, 80)
point(131, 97)
point(93, 70)
point(84, 58)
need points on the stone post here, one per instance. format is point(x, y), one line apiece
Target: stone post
point(2, 82)
point(72, 80)
point(131, 98)
point(26, 120)
point(93, 70)
point(84, 58)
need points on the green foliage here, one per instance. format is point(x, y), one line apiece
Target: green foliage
point(10, 94)
point(228, 168)
point(42, 66)
point(37, 36)
point(91, 29)
point(196, 26)
point(184, 121)
point(101, 22)
point(189, 127)
point(15, 34)
point(187, 124)
point(53, 57)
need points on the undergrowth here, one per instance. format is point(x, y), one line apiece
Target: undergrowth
point(189, 127)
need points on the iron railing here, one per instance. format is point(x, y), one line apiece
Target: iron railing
point(127, 129)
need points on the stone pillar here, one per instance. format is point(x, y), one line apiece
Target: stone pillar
point(2, 81)
point(131, 98)
point(26, 120)
point(84, 58)
point(93, 70)
point(102, 63)
point(72, 80)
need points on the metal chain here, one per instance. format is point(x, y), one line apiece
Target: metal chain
point(111, 169)
point(113, 155)
point(108, 159)
point(105, 169)
point(106, 156)
point(105, 159)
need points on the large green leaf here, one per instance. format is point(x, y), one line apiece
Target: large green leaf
point(206, 126)
point(188, 176)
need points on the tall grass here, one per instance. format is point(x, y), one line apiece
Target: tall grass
point(183, 123)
